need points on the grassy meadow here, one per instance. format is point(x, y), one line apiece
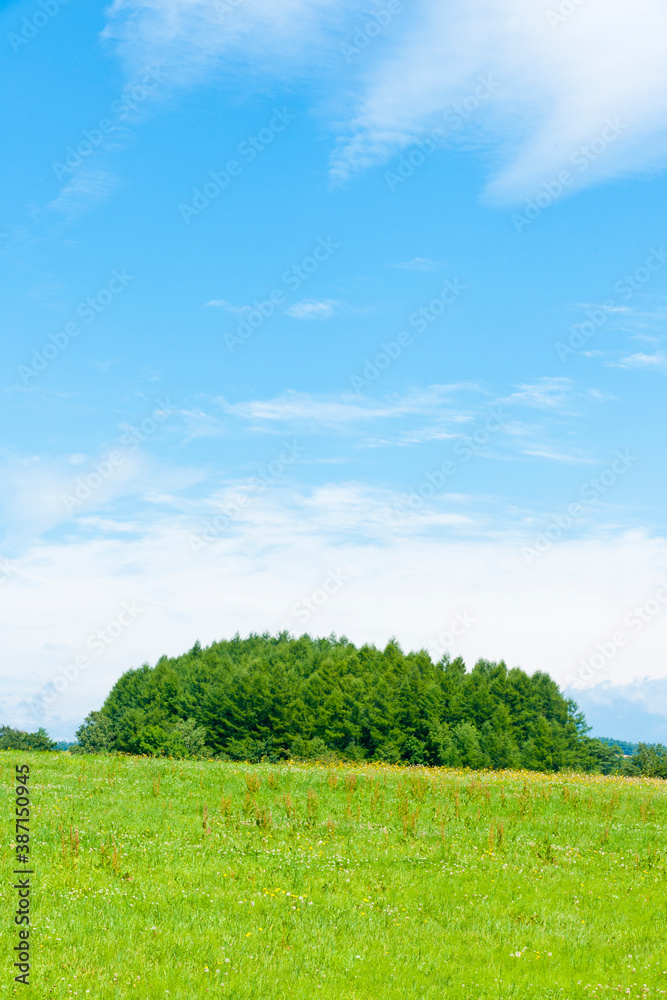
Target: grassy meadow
point(160, 878)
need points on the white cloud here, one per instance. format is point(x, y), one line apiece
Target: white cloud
point(342, 409)
point(104, 524)
point(200, 424)
point(191, 36)
point(545, 394)
point(42, 494)
point(89, 184)
point(419, 264)
point(223, 304)
point(312, 309)
point(636, 712)
point(556, 87)
point(646, 339)
point(420, 435)
point(88, 181)
point(555, 455)
point(656, 361)
point(556, 394)
point(406, 581)
point(432, 414)
point(551, 88)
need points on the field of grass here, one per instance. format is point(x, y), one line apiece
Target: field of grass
point(184, 879)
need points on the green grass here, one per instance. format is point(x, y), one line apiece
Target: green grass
point(179, 880)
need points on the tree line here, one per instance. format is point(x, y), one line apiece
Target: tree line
point(278, 697)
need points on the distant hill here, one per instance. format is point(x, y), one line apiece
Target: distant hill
point(275, 697)
point(627, 748)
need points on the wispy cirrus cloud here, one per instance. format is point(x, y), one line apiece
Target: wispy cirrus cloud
point(197, 37)
point(557, 394)
point(433, 414)
point(92, 183)
point(557, 455)
point(344, 409)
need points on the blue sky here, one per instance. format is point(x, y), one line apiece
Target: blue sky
point(334, 317)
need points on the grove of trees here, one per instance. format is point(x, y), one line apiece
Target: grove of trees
point(274, 697)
